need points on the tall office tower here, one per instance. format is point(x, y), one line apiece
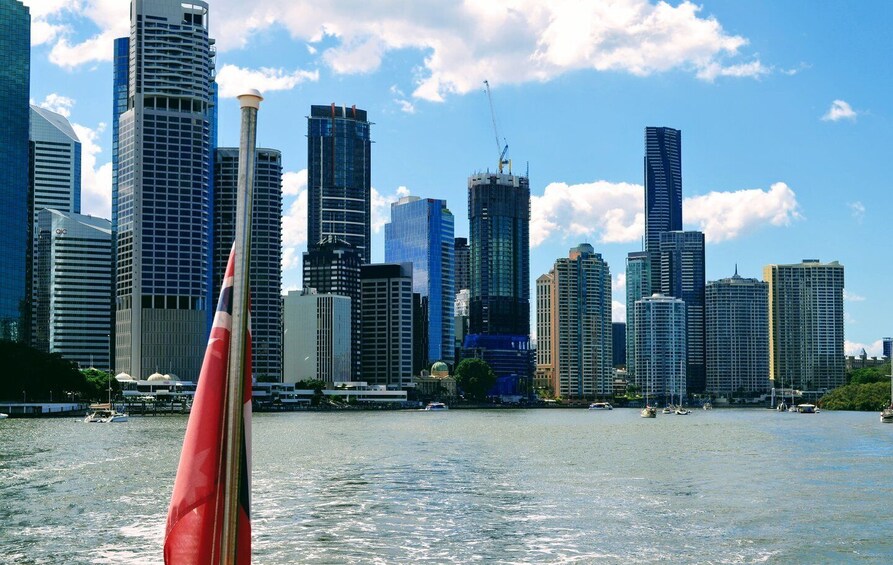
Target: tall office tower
point(663, 190)
point(582, 338)
point(265, 277)
point(120, 98)
point(73, 279)
point(806, 332)
point(619, 341)
point(461, 308)
point(888, 347)
point(499, 267)
point(542, 377)
point(164, 168)
point(660, 347)
point(737, 316)
point(333, 267)
point(339, 172)
point(387, 324)
point(419, 332)
point(15, 229)
point(317, 337)
point(638, 285)
point(461, 259)
point(682, 276)
point(421, 232)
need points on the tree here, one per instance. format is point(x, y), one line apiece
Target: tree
point(475, 378)
point(37, 374)
point(98, 383)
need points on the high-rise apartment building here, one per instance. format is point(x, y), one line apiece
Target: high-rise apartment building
point(16, 227)
point(461, 260)
point(663, 190)
point(333, 267)
point(73, 280)
point(806, 334)
point(339, 172)
point(317, 340)
point(888, 347)
point(682, 276)
point(421, 232)
point(737, 329)
point(163, 200)
point(265, 276)
point(638, 286)
point(660, 347)
point(542, 378)
point(619, 341)
point(582, 335)
point(387, 324)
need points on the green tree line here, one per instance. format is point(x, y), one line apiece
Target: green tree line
point(39, 377)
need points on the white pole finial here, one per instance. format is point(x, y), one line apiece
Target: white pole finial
point(250, 99)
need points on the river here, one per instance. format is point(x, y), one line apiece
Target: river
point(493, 486)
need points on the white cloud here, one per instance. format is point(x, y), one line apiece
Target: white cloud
point(618, 311)
point(852, 297)
point(727, 215)
point(234, 80)
point(294, 234)
point(96, 180)
point(754, 69)
point(840, 110)
point(294, 183)
point(874, 349)
point(618, 283)
point(57, 103)
point(857, 209)
point(381, 206)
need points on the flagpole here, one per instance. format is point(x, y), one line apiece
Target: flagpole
point(250, 103)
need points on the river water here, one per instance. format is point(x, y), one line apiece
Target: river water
point(493, 486)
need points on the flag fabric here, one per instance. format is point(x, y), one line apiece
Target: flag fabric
point(195, 517)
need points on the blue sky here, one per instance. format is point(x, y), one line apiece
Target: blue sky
point(784, 107)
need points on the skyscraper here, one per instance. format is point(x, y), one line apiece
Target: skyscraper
point(339, 171)
point(737, 328)
point(333, 267)
point(888, 347)
point(660, 347)
point(544, 320)
point(421, 232)
point(638, 285)
point(317, 337)
point(15, 229)
point(387, 324)
point(73, 280)
point(663, 190)
point(499, 218)
point(265, 277)
point(682, 276)
point(619, 342)
point(163, 191)
point(461, 252)
point(582, 338)
point(806, 333)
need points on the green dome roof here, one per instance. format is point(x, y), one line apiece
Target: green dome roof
point(440, 367)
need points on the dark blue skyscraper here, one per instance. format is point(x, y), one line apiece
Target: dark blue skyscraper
point(339, 153)
point(888, 347)
point(663, 190)
point(15, 230)
point(421, 232)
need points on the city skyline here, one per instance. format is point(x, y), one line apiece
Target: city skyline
point(765, 176)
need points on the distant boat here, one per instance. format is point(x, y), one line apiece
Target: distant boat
point(104, 414)
point(680, 411)
point(3, 416)
point(601, 406)
point(667, 410)
point(887, 413)
point(649, 412)
point(708, 406)
point(806, 408)
point(436, 406)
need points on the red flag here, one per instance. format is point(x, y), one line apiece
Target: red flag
point(195, 517)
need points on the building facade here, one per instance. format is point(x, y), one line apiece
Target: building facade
point(17, 225)
point(317, 343)
point(333, 267)
point(638, 286)
point(421, 232)
point(163, 201)
point(806, 332)
point(619, 341)
point(387, 324)
point(265, 276)
point(339, 172)
point(663, 190)
point(542, 378)
point(682, 275)
point(73, 280)
point(660, 348)
point(888, 347)
point(737, 331)
point(461, 252)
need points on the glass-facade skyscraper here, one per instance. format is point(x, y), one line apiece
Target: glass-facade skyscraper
point(265, 277)
point(663, 190)
point(339, 170)
point(15, 229)
point(660, 347)
point(163, 204)
point(638, 286)
point(421, 232)
point(461, 254)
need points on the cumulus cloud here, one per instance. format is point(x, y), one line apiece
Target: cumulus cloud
point(840, 110)
point(57, 103)
point(857, 209)
point(96, 180)
point(727, 215)
point(381, 206)
point(874, 349)
point(618, 311)
point(294, 183)
point(294, 226)
point(234, 80)
point(505, 41)
point(852, 297)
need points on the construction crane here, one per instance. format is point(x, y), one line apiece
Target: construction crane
point(499, 146)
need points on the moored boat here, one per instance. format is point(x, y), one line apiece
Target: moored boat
point(806, 408)
point(104, 414)
point(2, 415)
point(436, 407)
point(680, 411)
point(649, 412)
point(601, 406)
point(887, 415)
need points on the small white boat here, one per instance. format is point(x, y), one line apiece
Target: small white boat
point(436, 406)
point(104, 414)
point(667, 410)
point(3, 416)
point(707, 406)
point(680, 411)
point(649, 412)
point(601, 406)
point(887, 415)
point(806, 408)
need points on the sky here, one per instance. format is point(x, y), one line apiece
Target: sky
point(785, 110)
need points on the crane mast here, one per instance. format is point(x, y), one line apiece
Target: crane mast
point(501, 148)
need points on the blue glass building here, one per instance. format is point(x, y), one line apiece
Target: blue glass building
point(15, 229)
point(421, 232)
point(164, 166)
point(339, 171)
point(663, 190)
